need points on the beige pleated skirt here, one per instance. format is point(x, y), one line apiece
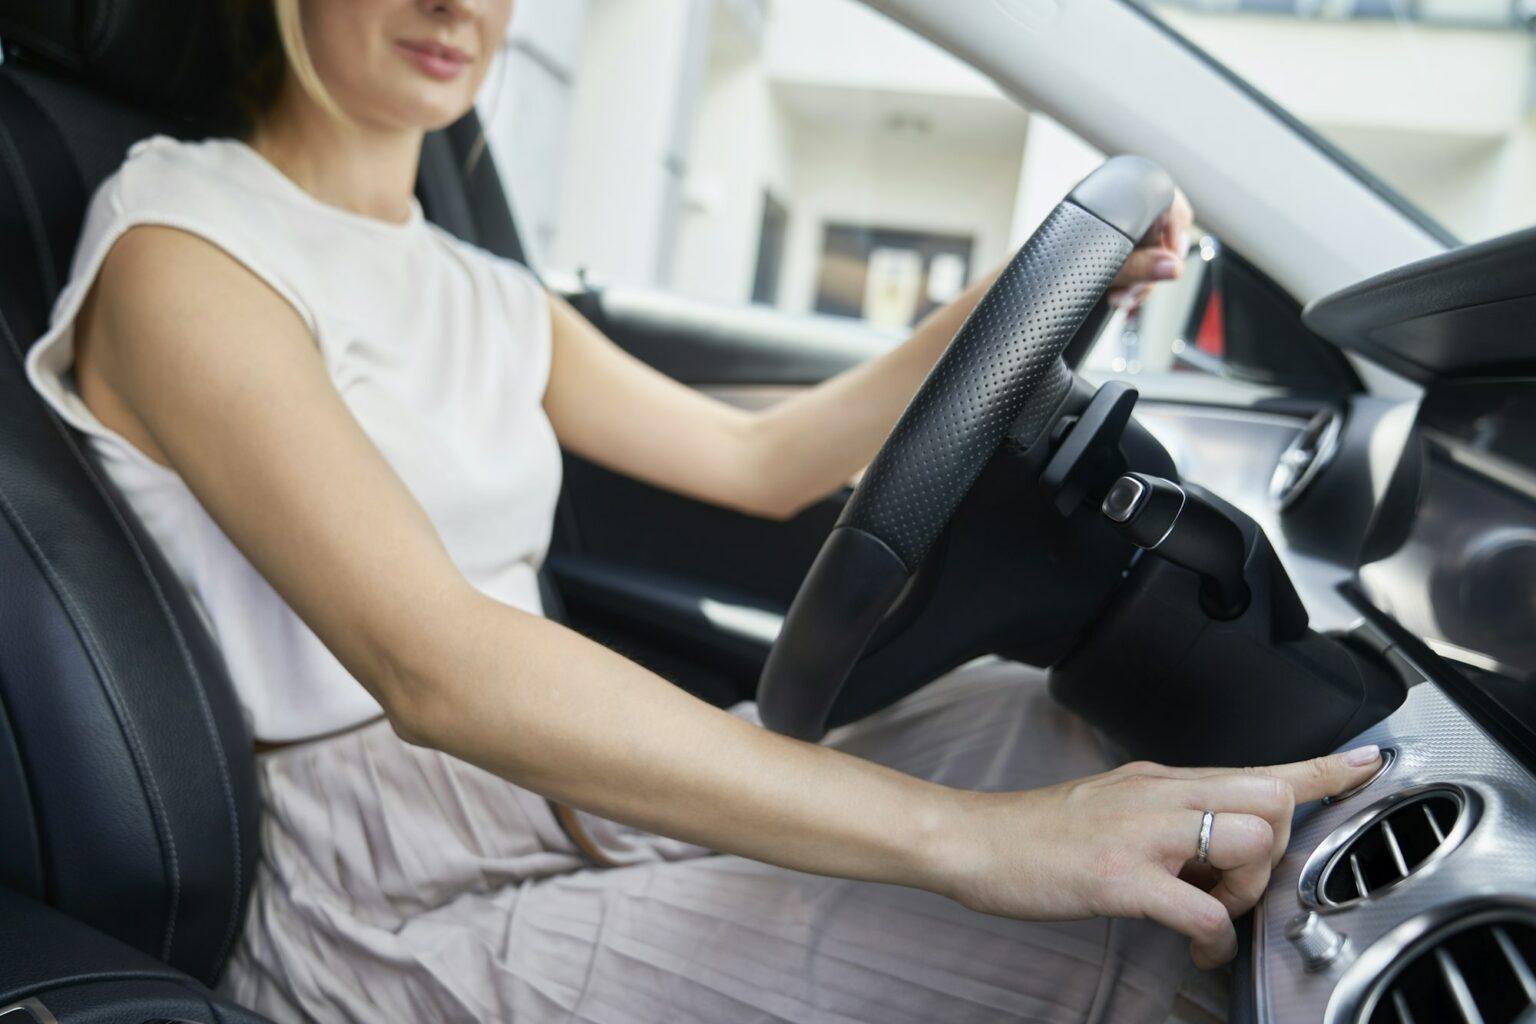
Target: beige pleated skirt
point(400, 884)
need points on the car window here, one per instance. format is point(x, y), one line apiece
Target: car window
point(808, 155)
point(1431, 97)
point(811, 156)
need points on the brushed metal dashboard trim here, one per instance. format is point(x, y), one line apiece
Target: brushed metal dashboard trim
point(1438, 743)
point(1326, 855)
point(1286, 487)
point(1359, 991)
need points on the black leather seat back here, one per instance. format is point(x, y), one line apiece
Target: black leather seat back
point(127, 791)
point(127, 796)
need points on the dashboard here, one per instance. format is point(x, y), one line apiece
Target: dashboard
point(1452, 554)
point(1413, 899)
point(1357, 927)
point(1421, 887)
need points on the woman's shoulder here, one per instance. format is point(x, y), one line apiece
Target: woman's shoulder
point(187, 185)
point(170, 149)
point(168, 181)
point(169, 174)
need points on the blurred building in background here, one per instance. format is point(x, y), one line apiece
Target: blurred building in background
point(802, 153)
point(813, 156)
point(1433, 96)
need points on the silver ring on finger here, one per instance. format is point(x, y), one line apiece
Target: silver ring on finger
point(1207, 823)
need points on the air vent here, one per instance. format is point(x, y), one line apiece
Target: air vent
point(1480, 968)
point(1387, 844)
point(1306, 457)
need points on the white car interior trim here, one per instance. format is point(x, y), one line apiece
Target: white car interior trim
point(1124, 85)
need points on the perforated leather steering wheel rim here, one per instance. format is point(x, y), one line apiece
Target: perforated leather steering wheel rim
point(1002, 374)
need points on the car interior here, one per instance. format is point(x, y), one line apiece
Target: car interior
point(1349, 559)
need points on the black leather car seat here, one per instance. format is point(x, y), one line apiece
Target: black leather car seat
point(127, 795)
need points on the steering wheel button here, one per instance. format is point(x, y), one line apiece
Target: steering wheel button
point(1124, 499)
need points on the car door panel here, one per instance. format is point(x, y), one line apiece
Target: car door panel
point(690, 589)
point(702, 343)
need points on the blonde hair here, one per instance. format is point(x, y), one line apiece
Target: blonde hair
point(290, 30)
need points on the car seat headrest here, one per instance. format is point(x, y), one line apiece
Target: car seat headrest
point(172, 55)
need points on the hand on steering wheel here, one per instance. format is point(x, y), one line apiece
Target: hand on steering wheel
point(1159, 256)
point(1124, 844)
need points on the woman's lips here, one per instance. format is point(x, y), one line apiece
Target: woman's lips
point(437, 60)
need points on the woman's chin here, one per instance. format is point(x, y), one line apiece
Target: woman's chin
point(434, 112)
point(428, 115)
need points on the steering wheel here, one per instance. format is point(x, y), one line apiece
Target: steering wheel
point(1003, 374)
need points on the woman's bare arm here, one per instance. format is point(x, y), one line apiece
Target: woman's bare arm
point(227, 381)
point(611, 408)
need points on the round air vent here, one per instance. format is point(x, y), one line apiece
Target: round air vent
point(1386, 844)
point(1306, 457)
point(1476, 966)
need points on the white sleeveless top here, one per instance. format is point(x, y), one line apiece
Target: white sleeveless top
point(440, 349)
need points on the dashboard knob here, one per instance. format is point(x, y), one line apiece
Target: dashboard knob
point(1316, 941)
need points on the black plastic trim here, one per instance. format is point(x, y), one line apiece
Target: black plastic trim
point(1245, 289)
point(1517, 737)
point(670, 606)
point(1456, 314)
point(702, 344)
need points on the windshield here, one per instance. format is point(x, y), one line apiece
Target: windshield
point(1431, 97)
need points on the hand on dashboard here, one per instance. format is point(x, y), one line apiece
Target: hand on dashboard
point(1125, 844)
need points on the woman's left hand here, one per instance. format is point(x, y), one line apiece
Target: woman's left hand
point(1159, 256)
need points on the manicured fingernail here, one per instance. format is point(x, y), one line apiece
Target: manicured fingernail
point(1362, 756)
point(1165, 269)
point(1181, 242)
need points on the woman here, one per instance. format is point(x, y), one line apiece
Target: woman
point(340, 424)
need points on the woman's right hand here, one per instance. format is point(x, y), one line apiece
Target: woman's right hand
point(1123, 844)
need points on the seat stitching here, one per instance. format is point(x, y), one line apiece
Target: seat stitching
point(93, 646)
point(202, 698)
point(225, 783)
point(33, 211)
point(70, 442)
